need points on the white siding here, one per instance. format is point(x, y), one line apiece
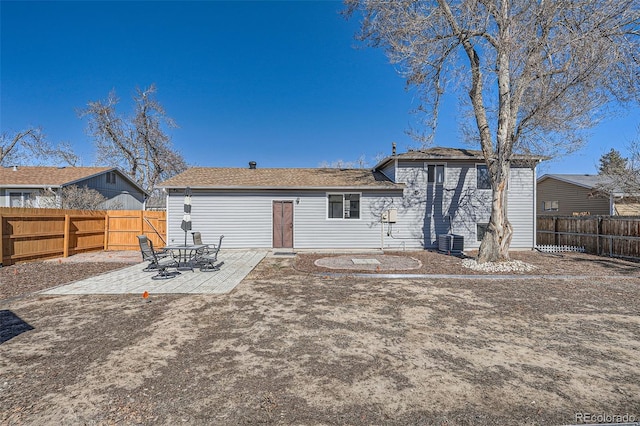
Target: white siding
point(390, 171)
point(521, 207)
point(428, 210)
point(245, 219)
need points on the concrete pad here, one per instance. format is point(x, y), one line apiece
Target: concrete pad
point(133, 280)
point(365, 261)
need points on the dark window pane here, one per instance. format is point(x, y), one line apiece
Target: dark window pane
point(430, 174)
point(483, 179)
point(352, 209)
point(481, 229)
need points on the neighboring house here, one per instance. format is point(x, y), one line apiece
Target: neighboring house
point(574, 194)
point(404, 202)
point(24, 186)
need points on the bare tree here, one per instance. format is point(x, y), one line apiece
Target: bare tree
point(536, 73)
point(30, 146)
point(138, 144)
point(360, 163)
point(70, 197)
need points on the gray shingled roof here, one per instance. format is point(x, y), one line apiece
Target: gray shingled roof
point(584, 180)
point(438, 153)
point(46, 176)
point(276, 178)
point(53, 177)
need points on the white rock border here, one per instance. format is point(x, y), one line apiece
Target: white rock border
point(508, 266)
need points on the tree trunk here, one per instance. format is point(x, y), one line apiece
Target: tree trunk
point(496, 241)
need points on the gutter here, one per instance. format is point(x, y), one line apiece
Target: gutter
point(395, 187)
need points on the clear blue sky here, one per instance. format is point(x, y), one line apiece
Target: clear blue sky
point(282, 83)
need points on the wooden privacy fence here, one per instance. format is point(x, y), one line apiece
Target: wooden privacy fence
point(28, 234)
point(123, 227)
point(616, 236)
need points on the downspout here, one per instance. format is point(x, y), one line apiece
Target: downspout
point(166, 209)
point(381, 234)
point(535, 204)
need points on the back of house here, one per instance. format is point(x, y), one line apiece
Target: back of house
point(404, 202)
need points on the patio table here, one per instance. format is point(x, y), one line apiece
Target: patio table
point(187, 255)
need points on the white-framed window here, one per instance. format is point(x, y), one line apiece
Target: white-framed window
point(481, 229)
point(435, 173)
point(343, 206)
point(20, 199)
point(550, 206)
point(483, 180)
point(111, 177)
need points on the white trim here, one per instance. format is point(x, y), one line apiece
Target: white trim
point(426, 165)
point(326, 212)
point(22, 196)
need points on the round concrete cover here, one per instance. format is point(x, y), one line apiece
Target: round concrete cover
point(370, 262)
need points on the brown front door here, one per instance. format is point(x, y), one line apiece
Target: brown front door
point(283, 224)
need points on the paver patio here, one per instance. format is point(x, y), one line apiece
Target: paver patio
point(133, 280)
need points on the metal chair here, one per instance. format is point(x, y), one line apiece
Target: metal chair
point(207, 261)
point(197, 240)
point(146, 248)
point(158, 261)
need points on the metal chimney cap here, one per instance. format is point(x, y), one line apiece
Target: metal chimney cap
point(252, 164)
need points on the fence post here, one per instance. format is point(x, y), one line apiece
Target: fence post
point(106, 231)
point(67, 228)
point(599, 232)
point(556, 237)
point(141, 222)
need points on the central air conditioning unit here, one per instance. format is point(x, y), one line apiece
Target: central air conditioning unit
point(450, 243)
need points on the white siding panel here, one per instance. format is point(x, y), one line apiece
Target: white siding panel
point(245, 219)
point(390, 170)
point(458, 206)
point(521, 207)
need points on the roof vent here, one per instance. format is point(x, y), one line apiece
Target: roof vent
point(393, 149)
point(15, 168)
point(252, 164)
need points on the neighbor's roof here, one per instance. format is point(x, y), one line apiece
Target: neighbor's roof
point(264, 178)
point(52, 177)
point(27, 176)
point(586, 181)
point(441, 154)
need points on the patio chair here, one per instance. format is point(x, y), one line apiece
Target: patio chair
point(158, 260)
point(197, 241)
point(207, 261)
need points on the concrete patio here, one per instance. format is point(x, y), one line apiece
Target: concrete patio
point(133, 280)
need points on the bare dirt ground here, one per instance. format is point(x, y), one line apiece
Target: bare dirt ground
point(293, 345)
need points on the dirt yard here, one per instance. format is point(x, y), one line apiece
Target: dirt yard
point(294, 345)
